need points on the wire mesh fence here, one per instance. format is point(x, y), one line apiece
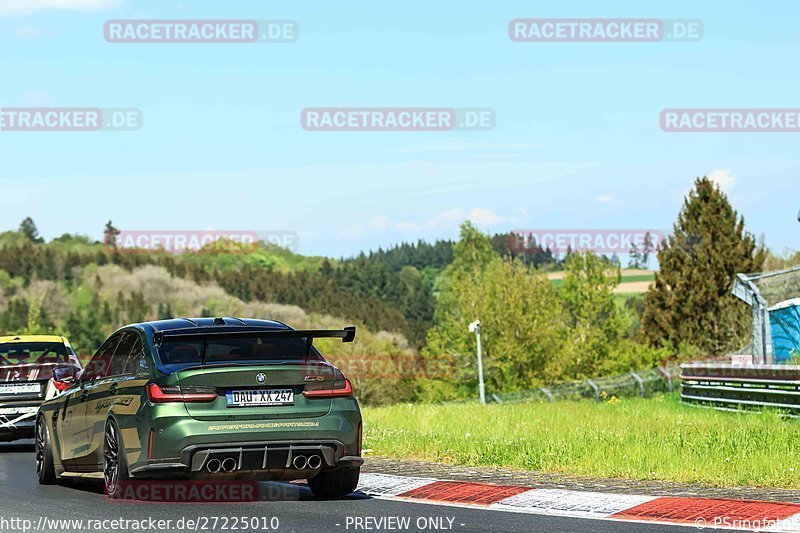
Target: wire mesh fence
point(775, 331)
point(777, 287)
point(644, 383)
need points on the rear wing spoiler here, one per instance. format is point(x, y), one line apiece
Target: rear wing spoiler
point(347, 334)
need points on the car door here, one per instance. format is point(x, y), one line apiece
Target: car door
point(83, 401)
point(129, 404)
point(71, 423)
point(68, 422)
point(103, 395)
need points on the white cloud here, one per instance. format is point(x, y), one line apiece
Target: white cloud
point(378, 223)
point(29, 32)
point(452, 218)
point(723, 178)
point(485, 217)
point(20, 196)
point(447, 218)
point(35, 99)
point(424, 186)
point(605, 198)
point(356, 230)
point(20, 8)
point(498, 155)
point(462, 146)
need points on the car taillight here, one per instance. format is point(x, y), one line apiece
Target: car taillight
point(330, 389)
point(61, 386)
point(166, 394)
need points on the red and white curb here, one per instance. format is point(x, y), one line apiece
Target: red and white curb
point(699, 513)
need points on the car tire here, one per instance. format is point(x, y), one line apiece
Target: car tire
point(115, 465)
point(334, 483)
point(44, 454)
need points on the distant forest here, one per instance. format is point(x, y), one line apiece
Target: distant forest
point(391, 290)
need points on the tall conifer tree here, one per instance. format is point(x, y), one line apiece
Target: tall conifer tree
point(691, 301)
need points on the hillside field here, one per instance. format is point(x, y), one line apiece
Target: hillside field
point(634, 281)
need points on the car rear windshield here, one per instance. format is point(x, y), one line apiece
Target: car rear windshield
point(18, 353)
point(244, 350)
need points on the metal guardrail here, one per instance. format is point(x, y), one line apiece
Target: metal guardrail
point(731, 387)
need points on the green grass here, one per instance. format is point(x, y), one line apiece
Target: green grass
point(642, 277)
point(621, 298)
point(655, 439)
point(624, 279)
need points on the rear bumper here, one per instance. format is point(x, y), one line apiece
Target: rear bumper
point(182, 446)
point(17, 421)
point(262, 455)
point(273, 459)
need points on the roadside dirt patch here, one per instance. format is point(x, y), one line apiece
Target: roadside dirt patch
point(629, 287)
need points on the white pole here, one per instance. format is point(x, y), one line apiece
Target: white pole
point(476, 327)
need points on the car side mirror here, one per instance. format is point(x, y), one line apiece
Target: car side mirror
point(65, 374)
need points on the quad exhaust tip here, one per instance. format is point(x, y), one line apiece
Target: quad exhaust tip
point(213, 465)
point(300, 462)
point(229, 464)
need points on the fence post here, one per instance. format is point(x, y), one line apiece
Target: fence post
point(596, 390)
point(640, 382)
point(667, 375)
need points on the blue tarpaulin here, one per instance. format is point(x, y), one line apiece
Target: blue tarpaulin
point(784, 319)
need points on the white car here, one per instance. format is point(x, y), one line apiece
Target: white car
point(28, 365)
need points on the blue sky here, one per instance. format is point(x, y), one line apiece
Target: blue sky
point(577, 142)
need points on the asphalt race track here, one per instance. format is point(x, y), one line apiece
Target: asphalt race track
point(22, 498)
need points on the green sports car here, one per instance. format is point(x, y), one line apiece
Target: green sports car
point(205, 398)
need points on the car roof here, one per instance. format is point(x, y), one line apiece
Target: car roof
point(32, 338)
point(228, 322)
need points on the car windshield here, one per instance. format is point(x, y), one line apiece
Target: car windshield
point(243, 350)
point(37, 353)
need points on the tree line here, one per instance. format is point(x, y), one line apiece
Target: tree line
point(535, 333)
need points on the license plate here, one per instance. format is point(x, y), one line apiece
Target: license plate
point(18, 410)
point(19, 388)
point(262, 397)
